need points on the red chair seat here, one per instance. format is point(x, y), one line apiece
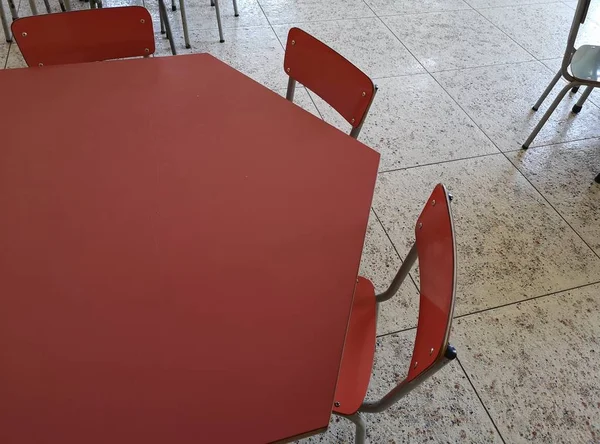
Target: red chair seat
point(359, 350)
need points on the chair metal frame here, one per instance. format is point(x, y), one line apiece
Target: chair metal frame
point(574, 82)
point(358, 121)
point(446, 355)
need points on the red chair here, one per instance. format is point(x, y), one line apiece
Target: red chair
point(435, 249)
point(333, 78)
point(90, 35)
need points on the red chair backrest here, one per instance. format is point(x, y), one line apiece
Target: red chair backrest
point(90, 35)
point(322, 70)
point(437, 267)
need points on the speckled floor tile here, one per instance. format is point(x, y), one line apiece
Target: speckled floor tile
point(564, 174)
point(511, 245)
point(367, 43)
point(541, 29)
point(412, 122)
point(455, 39)
point(497, 3)
point(379, 264)
point(302, 99)
point(280, 12)
point(536, 366)
point(14, 58)
point(4, 48)
point(499, 100)
point(255, 52)
point(444, 409)
point(394, 7)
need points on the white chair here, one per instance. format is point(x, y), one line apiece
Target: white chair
point(580, 67)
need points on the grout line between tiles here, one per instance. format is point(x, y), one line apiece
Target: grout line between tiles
point(477, 156)
point(480, 400)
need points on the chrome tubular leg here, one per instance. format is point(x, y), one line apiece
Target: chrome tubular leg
point(7, 34)
point(68, 5)
point(184, 23)
point(290, 90)
point(33, 7)
point(47, 5)
point(548, 113)
point(218, 11)
point(163, 11)
point(577, 107)
point(547, 91)
point(235, 9)
point(62, 5)
point(361, 428)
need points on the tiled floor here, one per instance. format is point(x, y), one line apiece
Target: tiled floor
point(456, 82)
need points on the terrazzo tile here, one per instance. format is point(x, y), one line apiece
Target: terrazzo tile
point(255, 52)
point(280, 12)
point(541, 29)
point(303, 100)
point(367, 43)
point(393, 7)
point(445, 408)
point(499, 100)
point(564, 175)
point(379, 264)
point(511, 245)
point(4, 48)
point(497, 3)
point(455, 39)
point(412, 122)
point(536, 366)
point(14, 58)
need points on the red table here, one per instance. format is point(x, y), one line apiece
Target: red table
point(178, 253)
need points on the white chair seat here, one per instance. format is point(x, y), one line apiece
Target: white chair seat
point(585, 64)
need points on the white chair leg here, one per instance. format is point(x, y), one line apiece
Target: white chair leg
point(548, 113)
point(7, 34)
point(577, 107)
point(184, 23)
point(218, 11)
point(547, 91)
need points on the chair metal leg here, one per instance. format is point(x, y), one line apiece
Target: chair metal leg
point(361, 427)
point(212, 2)
point(547, 91)
point(577, 107)
point(7, 34)
point(13, 10)
point(173, 6)
point(574, 90)
point(290, 90)
point(33, 7)
point(186, 36)
point(162, 22)
point(548, 113)
point(163, 12)
point(47, 5)
point(597, 179)
point(68, 5)
point(62, 5)
point(218, 11)
point(235, 9)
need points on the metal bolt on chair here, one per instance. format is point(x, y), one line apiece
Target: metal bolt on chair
point(329, 75)
point(435, 249)
point(580, 67)
point(81, 36)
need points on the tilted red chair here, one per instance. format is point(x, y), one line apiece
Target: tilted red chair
point(329, 75)
point(435, 249)
point(90, 35)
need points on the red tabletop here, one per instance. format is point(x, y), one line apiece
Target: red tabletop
point(178, 253)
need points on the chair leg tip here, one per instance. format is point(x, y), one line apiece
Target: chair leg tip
point(188, 46)
point(173, 8)
point(534, 108)
point(222, 41)
point(163, 32)
point(236, 15)
point(576, 109)
point(524, 146)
